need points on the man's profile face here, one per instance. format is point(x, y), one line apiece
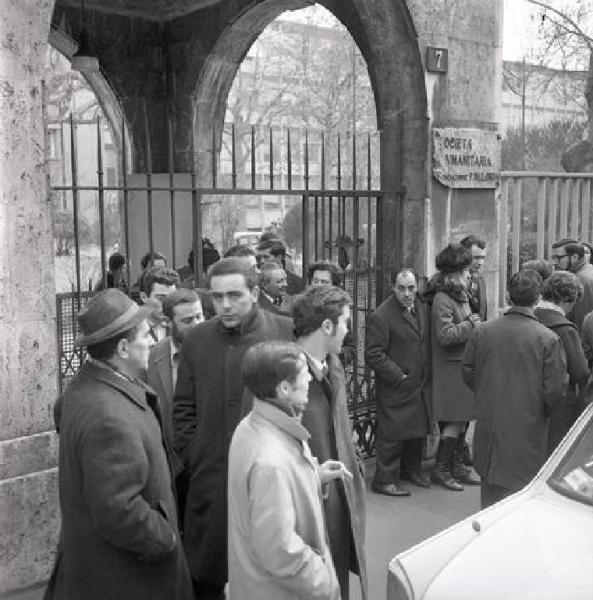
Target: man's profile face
point(138, 349)
point(478, 257)
point(340, 330)
point(185, 317)
point(275, 283)
point(320, 278)
point(561, 259)
point(405, 289)
point(231, 298)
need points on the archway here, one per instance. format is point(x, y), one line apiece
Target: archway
point(385, 34)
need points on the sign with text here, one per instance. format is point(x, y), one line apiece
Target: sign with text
point(465, 158)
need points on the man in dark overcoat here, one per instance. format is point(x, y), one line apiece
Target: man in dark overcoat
point(397, 349)
point(478, 298)
point(119, 536)
point(516, 367)
point(208, 404)
point(321, 317)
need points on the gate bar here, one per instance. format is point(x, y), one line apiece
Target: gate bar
point(148, 184)
point(74, 166)
point(305, 226)
point(271, 160)
point(289, 158)
point(126, 200)
point(354, 160)
point(307, 161)
point(172, 190)
point(252, 157)
point(355, 221)
point(214, 155)
point(101, 202)
point(233, 157)
point(196, 205)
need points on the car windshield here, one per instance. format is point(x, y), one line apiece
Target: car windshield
point(573, 477)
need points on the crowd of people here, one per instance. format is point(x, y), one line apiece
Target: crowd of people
point(206, 449)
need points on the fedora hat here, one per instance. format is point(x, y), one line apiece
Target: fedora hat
point(108, 314)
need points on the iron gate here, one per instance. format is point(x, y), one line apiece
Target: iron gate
point(338, 223)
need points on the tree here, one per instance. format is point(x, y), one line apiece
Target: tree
point(63, 224)
point(564, 38)
point(544, 146)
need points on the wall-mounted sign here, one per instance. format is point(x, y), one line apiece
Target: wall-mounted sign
point(465, 158)
point(437, 59)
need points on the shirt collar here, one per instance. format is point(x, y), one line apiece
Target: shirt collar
point(550, 306)
point(317, 366)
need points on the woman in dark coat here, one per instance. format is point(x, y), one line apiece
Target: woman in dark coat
point(559, 294)
point(452, 324)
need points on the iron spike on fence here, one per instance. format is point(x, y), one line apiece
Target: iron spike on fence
point(74, 167)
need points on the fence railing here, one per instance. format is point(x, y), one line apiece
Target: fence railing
point(537, 209)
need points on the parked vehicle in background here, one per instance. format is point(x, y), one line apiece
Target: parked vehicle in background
point(535, 544)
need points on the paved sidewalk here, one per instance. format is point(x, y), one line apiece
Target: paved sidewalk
point(393, 524)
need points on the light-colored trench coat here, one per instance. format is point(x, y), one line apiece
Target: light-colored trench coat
point(277, 542)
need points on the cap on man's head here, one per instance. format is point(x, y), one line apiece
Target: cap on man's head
point(106, 315)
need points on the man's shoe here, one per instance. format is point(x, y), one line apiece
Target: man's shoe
point(419, 480)
point(390, 489)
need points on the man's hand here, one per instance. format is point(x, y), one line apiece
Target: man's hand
point(474, 319)
point(333, 469)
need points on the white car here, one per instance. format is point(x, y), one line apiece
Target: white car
point(535, 545)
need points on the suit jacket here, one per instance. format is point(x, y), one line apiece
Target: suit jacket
point(585, 304)
point(516, 367)
point(326, 419)
point(159, 377)
point(478, 300)
point(209, 401)
point(265, 304)
point(397, 343)
point(119, 535)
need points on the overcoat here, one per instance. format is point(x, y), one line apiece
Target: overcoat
point(397, 343)
point(159, 377)
point(566, 412)
point(479, 301)
point(326, 419)
point(450, 331)
point(517, 369)
point(208, 404)
point(119, 536)
point(584, 305)
point(278, 547)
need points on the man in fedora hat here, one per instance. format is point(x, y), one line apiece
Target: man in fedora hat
point(119, 535)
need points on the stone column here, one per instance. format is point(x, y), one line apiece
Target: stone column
point(28, 383)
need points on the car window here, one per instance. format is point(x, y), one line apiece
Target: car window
point(573, 477)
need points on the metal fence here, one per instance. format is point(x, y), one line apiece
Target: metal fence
point(339, 222)
point(536, 209)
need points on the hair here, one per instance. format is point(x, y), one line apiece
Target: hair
point(563, 242)
point(472, 240)
point(525, 288)
point(323, 265)
point(575, 248)
point(266, 236)
point(152, 275)
point(453, 259)
point(116, 261)
point(396, 274)
point(233, 266)
point(267, 364)
point(210, 255)
point(316, 304)
point(148, 257)
point(107, 348)
point(275, 247)
point(544, 268)
point(181, 296)
point(562, 286)
point(239, 250)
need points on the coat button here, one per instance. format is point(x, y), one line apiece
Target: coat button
point(232, 400)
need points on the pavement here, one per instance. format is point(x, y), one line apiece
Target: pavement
point(393, 525)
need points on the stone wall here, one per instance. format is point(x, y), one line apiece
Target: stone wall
point(28, 495)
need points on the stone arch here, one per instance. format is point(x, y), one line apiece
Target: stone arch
point(106, 97)
point(385, 33)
